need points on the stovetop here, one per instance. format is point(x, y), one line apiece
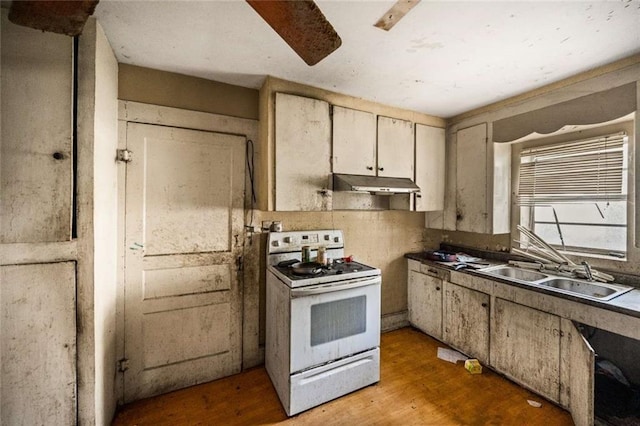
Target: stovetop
point(328, 274)
point(336, 268)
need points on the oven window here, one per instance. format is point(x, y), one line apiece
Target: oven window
point(335, 320)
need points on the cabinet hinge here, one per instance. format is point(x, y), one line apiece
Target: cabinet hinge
point(123, 365)
point(124, 155)
point(240, 263)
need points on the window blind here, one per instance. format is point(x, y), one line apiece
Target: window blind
point(587, 170)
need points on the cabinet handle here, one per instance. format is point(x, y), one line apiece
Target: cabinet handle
point(418, 196)
point(484, 305)
point(381, 169)
point(58, 155)
point(437, 288)
point(369, 167)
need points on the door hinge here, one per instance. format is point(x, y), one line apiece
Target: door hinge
point(124, 155)
point(240, 263)
point(123, 365)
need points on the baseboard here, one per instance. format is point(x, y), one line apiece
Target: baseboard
point(394, 321)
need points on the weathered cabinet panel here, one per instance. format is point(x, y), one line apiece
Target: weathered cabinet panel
point(577, 372)
point(425, 303)
point(466, 320)
point(471, 179)
point(395, 148)
point(38, 342)
point(354, 142)
point(526, 346)
point(430, 168)
point(36, 151)
point(303, 153)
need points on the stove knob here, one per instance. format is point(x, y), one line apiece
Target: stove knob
point(287, 240)
point(327, 237)
point(275, 243)
point(336, 239)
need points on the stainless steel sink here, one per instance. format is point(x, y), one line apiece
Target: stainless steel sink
point(515, 273)
point(575, 287)
point(595, 290)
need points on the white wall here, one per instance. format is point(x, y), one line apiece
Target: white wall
point(97, 226)
point(105, 226)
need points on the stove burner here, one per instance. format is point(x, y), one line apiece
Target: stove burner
point(319, 271)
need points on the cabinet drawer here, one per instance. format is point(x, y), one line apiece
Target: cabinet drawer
point(434, 271)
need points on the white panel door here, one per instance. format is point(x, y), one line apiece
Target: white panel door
point(303, 154)
point(471, 179)
point(183, 238)
point(395, 148)
point(354, 142)
point(38, 344)
point(430, 168)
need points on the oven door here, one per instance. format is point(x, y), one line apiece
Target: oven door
point(334, 320)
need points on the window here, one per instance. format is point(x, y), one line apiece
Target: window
point(574, 194)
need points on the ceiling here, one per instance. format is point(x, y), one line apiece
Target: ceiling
point(443, 58)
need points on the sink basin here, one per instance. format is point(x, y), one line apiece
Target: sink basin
point(599, 291)
point(575, 287)
point(515, 273)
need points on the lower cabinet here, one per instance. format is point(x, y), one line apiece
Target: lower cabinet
point(577, 368)
point(425, 303)
point(526, 347)
point(542, 351)
point(38, 341)
point(465, 318)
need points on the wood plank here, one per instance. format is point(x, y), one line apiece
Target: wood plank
point(415, 388)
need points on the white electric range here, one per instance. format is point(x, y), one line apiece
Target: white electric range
point(322, 329)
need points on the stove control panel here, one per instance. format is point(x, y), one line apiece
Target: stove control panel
point(290, 241)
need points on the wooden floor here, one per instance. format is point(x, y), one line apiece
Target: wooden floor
point(416, 388)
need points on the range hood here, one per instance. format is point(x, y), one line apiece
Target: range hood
point(376, 185)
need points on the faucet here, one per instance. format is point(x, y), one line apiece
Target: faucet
point(587, 270)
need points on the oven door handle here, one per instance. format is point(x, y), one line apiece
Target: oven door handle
point(331, 287)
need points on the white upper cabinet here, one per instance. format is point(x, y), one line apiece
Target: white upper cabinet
point(36, 185)
point(395, 148)
point(483, 182)
point(354, 142)
point(430, 168)
point(302, 154)
point(471, 179)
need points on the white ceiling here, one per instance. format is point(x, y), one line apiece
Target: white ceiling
point(443, 58)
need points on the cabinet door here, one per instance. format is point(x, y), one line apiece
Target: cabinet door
point(471, 179)
point(38, 336)
point(354, 142)
point(36, 151)
point(577, 372)
point(526, 347)
point(430, 163)
point(395, 148)
point(303, 151)
point(425, 303)
point(466, 320)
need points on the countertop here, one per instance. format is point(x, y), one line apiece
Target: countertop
point(628, 303)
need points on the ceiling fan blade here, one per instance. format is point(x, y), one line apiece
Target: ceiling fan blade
point(58, 16)
point(395, 14)
point(302, 25)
